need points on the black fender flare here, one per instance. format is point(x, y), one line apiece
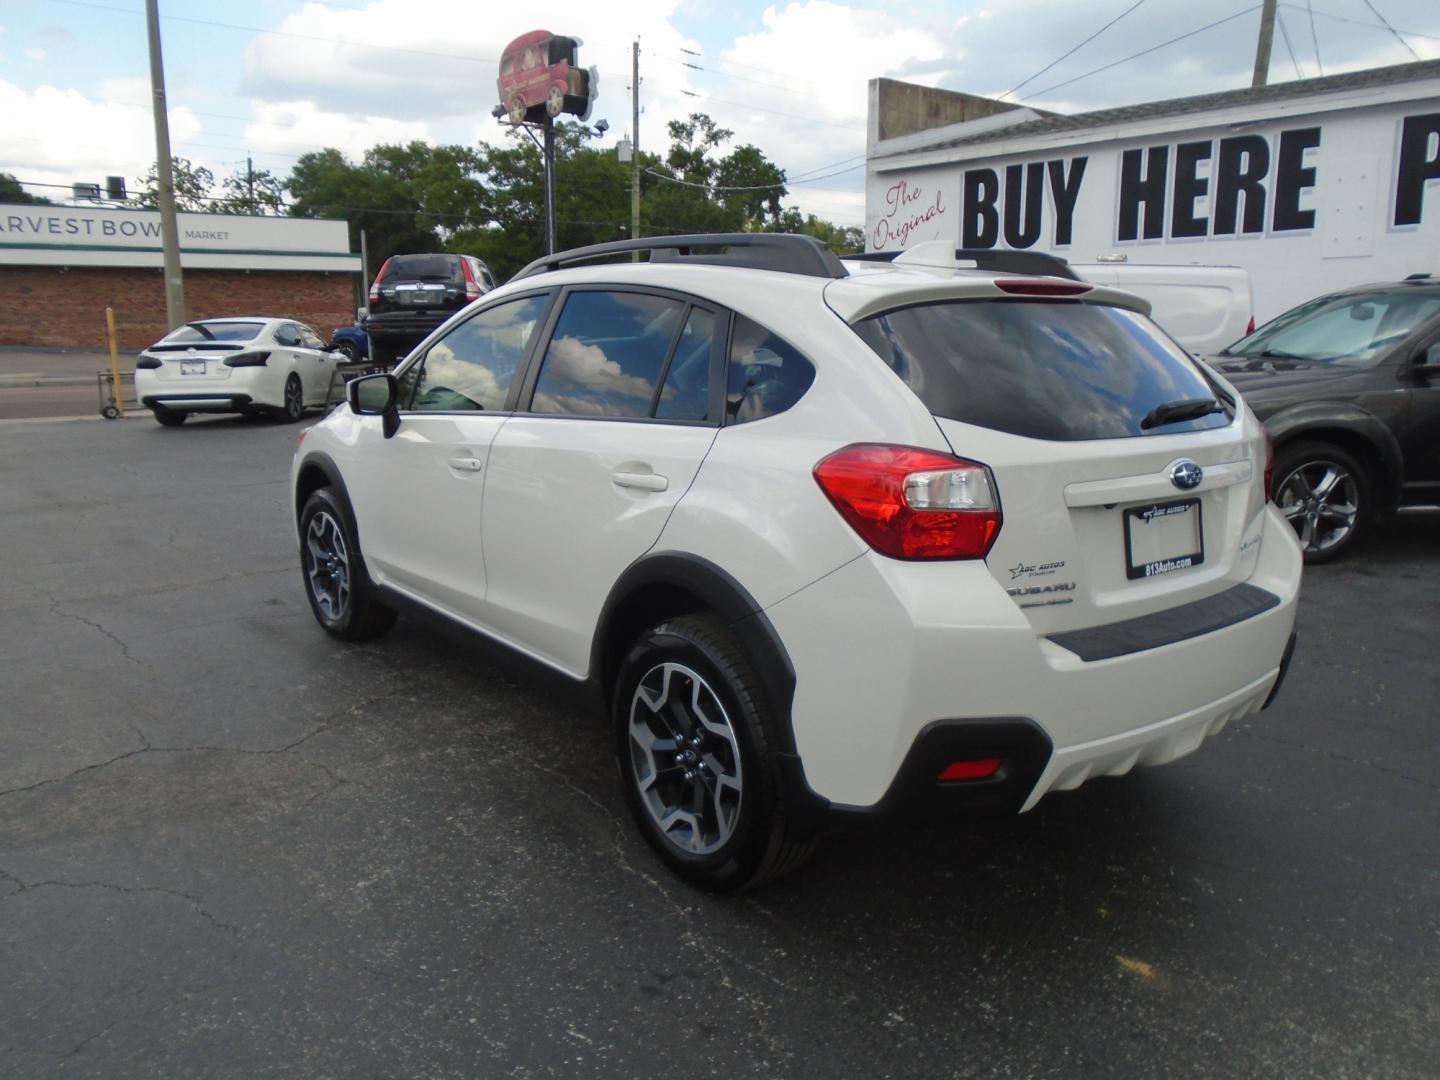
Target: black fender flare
point(724, 596)
point(318, 459)
point(1296, 421)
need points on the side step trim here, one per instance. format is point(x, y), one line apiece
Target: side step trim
point(1167, 627)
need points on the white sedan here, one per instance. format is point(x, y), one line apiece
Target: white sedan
point(241, 365)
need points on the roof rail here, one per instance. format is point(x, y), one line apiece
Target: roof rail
point(790, 253)
point(1424, 275)
point(872, 256)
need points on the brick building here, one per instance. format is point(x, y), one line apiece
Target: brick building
point(62, 266)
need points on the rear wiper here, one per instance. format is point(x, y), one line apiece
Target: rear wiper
point(1281, 354)
point(1172, 412)
point(201, 329)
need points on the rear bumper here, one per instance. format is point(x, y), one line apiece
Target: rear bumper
point(885, 651)
point(404, 327)
point(198, 402)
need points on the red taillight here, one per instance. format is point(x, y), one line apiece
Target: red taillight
point(910, 503)
point(1269, 465)
point(375, 287)
point(1250, 326)
point(974, 769)
point(1042, 286)
point(472, 287)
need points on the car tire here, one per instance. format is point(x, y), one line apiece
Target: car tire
point(347, 350)
point(1324, 492)
point(168, 417)
point(293, 407)
point(695, 739)
point(343, 599)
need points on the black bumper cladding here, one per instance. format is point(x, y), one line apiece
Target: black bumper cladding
point(917, 795)
point(1167, 627)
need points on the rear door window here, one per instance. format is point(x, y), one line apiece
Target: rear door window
point(1058, 371)
point(422, 268)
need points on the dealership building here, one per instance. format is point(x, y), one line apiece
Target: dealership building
point(1310, 185)
point(62, 266)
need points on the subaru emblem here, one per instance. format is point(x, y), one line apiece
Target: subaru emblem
point(1186, 475)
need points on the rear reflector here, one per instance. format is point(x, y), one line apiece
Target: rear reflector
point(1042, 286)
point(910, 503)
point(977, 769)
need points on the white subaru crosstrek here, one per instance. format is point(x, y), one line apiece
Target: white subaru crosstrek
point(252, 364)
point(834, 542)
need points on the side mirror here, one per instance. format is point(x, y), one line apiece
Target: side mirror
point(375, 395)
point(1427, 363)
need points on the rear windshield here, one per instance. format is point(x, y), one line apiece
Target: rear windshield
point(1060, 371)
point(422, 268)
point(199, 332)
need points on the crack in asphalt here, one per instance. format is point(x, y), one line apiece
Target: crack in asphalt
point(124, 648)
point(139, 890)
point(146, 747)
point(1337, 756)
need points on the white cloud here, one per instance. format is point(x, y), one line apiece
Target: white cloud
point(35, 56)
point(296, 127)
point(56, 136)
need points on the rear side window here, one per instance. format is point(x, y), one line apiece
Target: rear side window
point(606, 355)
point(766, 376)
point(1059, 371)
point(422, 268)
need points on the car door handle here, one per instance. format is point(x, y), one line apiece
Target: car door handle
point(640, 481)
point(466, 464)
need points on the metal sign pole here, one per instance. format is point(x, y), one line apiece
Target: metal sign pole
point(549, 186)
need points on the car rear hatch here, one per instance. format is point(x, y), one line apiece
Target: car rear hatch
point(420, 283)
point(1127, 477)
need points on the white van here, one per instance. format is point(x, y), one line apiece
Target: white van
point(1204, 308)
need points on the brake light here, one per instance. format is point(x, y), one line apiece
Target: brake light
point(973, 769)
point(472, 287)
point(1042, 286)
point(909, 503)
point(1269, 465)
point(247, 359)
point(1250, 326)
point(147, 363)
point(375, 286)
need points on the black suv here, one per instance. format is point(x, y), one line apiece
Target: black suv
point(413, 294)
point(1348, 385)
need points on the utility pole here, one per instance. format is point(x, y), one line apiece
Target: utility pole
point(635, 146)
point(250, 180)
point(169, 235)
point(1262, 47)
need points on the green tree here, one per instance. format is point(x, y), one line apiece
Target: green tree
point(251, 191)
point(12, 192)
point(193, 185)
point(325, 184)
point(842, 239)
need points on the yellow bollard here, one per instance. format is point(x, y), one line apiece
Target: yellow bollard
point(115, 388)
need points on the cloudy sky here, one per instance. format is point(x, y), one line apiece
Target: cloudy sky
point(277, 78)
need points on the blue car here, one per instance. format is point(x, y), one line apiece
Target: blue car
point(352, 341)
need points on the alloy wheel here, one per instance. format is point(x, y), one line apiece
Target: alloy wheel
point(294, 399)
point(685, 759)
point(327, 566)
point(1321, 500)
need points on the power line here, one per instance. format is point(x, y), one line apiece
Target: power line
point(1376, 12)
point(1285, 37)
point(1071, 52)
point(753, 187)
point(1145, 52)
point(1309, 7)
point(1358, 22)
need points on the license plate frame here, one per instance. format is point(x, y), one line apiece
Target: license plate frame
point(1178, 545)
point(192, 367)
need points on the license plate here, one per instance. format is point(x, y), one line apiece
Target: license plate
point(1162, 538)
point(192, 367)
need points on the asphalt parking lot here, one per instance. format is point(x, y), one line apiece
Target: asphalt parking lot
point(231, 846)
